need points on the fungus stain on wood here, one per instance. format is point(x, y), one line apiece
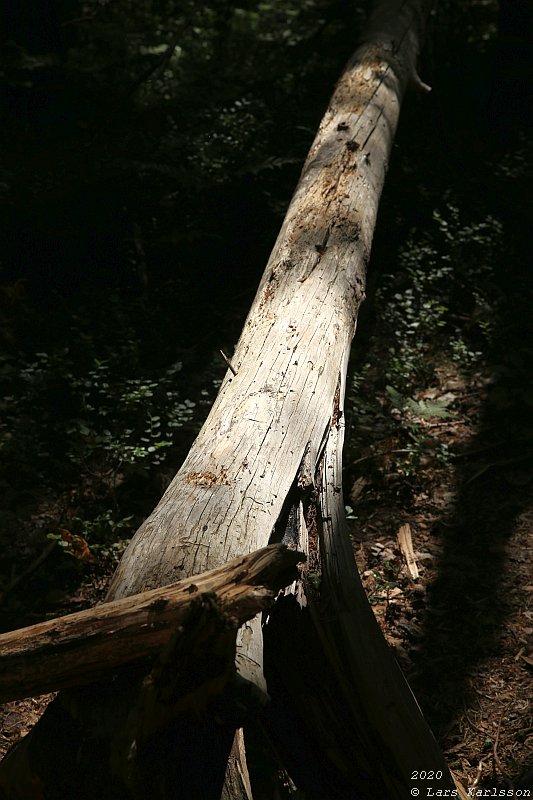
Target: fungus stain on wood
point(208, 479)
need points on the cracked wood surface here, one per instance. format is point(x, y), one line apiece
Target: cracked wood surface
point(227, 496)
point(93, 644)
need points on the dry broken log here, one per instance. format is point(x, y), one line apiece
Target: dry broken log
point(267, 465)
point(90, 645)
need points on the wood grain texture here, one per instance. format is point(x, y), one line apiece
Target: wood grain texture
point(283, 402)
point(92, 644)
point(227, 496)
point(386, 728)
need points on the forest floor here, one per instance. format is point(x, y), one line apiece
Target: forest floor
point(460, 620)
point(444, 448)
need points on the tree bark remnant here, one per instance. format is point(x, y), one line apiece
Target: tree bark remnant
point(267, 464)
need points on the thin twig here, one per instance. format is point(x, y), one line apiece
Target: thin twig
point(377, 455)
point(477, 450)
point(473, 724)
point(495, 756)
point(476, 727)
point(492, 446)
point(228, 362)
point(479, 773)
point(503, 463)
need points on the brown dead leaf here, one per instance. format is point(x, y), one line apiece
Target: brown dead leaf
point(77, 547)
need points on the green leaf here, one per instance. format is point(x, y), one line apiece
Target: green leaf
point(397, 399)
point(429, 408)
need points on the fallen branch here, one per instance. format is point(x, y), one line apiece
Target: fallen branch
point(405, 543)
point(93, 644)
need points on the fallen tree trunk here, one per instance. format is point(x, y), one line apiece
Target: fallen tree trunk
point(267, 465)
point(93, 644)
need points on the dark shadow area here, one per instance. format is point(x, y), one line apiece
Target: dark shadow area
point(463, 145)
point(139, 213)
point(142, 187)
point(470, 602)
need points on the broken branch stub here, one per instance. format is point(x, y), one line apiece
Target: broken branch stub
point(94, 644)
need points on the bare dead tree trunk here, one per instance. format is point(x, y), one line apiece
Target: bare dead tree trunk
point(267, 465)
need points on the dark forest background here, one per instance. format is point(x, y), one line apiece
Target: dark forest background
point(149, 151)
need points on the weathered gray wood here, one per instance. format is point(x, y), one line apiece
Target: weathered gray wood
point(92, 644)
point(280, 406)
point(227, 496)
point(383, 712)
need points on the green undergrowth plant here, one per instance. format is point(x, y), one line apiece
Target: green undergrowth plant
point(125, 422)
point(94, 425)
point(105, 536)
point(104, 421)
point(440, 297)
point(439, 307)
